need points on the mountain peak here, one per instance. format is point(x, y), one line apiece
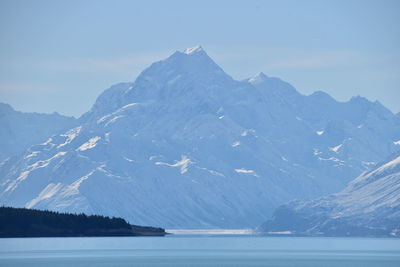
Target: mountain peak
point(258, 78)
point(193, 64)
point(272, 85)
point(359, 99)
point(6, 109)
point(193, 50)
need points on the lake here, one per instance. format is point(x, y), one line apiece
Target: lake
point(200, 250)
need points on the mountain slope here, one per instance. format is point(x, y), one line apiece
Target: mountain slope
point(187, 146)
point(18, 130)
point(368, 206)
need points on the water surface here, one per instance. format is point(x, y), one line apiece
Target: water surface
point(200, 250)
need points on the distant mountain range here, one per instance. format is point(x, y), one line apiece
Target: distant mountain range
point(187, 146)
point(368, 206)
point(20, 130)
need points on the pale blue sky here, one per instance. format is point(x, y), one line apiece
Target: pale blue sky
point(60, 55)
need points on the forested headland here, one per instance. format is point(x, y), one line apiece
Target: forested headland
point(21, 222)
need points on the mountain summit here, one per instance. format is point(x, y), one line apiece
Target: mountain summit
point(182, 74)
point(187, 146)
point(259, 78)
point(194, 50)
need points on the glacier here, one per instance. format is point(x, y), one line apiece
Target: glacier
point(187, 146)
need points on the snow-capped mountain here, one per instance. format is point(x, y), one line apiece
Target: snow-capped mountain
point(20, 130)
point(368, 206)
point(187, 146)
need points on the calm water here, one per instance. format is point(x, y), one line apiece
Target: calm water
point(203, 250)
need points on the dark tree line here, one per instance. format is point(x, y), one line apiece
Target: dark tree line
point(21, 222)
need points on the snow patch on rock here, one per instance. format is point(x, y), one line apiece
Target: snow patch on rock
point(182, 164)
point(89, 144)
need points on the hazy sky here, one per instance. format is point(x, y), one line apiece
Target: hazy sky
point(60, 55)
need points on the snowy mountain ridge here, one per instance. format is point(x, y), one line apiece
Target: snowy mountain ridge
point(368, 206)
point(187, 146)
point(20, 130)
